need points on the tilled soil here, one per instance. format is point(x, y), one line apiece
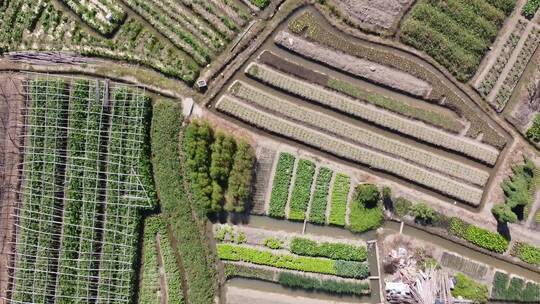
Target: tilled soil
point(374, 14)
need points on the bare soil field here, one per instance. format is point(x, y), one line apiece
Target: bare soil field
point(11, 100)
point(374, 15)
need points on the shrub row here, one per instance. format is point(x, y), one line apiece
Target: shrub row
point(514, 289)
point(293, 280)
point(301, 191)
point(347, 269)
point(340, 193)
point(481, 237)
point(220, 169)
point(319, 200)
point(334, 251)
point(280, 185)
point(245, 271)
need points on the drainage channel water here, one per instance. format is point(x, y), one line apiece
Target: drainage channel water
point(276, 288)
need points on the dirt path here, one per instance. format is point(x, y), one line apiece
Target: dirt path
point(162, 275)
point(11, 100)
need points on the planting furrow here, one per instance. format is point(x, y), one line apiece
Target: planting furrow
point(514, 75)
point(207, 12)
point(360, 135)
point(372, 114)
point(360, 67)
point(352, 152)
point(170, 28)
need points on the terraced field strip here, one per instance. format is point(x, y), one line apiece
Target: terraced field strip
point(281, 185)
point(359, 135)
point(372, 114)
point(506, 87)
point(213, 16)
point(102, 15)
point(331, 144)
point(171, 29)
point(493, 74)
point(301, 191)
point(369, 70)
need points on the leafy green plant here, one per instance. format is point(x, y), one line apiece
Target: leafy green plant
point(423, 213)
point(470, 289)
point(527, 253)
point(335, 251)
point(402, 206)
point(280, 185)
point(530, 8)
point(351, 269)
point(319, 201)
point(478, 236)
point(533, 133)
point(260, 3)
point(301, 191)
point(366, 209)
point(340, 192)
point(273, 243)
point(293, 280)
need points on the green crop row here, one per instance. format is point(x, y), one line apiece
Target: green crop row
point(294, 280)
point(340, 193)
point(301, 191)
point(514, 289)
point(527, 253)
point(347, 269)
point(319, 200)
point(334, 251)
point(469, 289)
point(43, 179)
point(481, 237)
point(192, 244)
point(280, 185)
point(149, 286)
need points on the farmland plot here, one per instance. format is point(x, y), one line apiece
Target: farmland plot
point(359, 135)
point(330, 144)
point(85, 178)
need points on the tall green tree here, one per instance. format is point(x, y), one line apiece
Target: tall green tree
point(223, 150)
point(197, 140)
point(240, 178)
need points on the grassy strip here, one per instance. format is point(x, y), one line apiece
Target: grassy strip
point(192, 246)
point(280, 185)
point(319, 200)
point(514, 289)
point(346, 269)
point(340, 192)
point(481, 237)
point(302, 190)
point(335, 251)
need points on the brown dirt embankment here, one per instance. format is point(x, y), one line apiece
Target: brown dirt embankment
point(11, 100)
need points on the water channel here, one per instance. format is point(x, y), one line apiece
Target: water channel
point(269, 223)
